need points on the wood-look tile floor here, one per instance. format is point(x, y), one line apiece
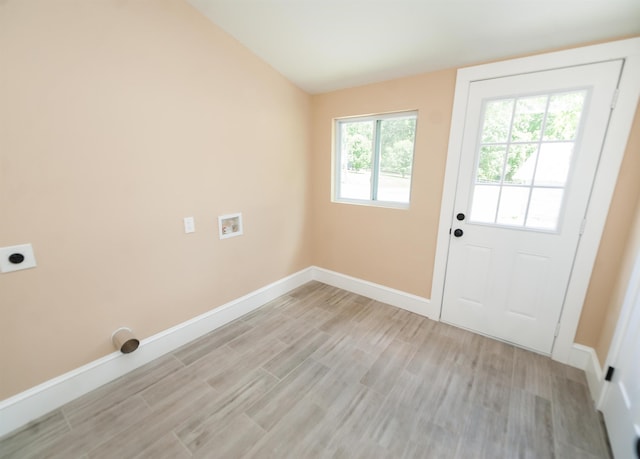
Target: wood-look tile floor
point(324, 373)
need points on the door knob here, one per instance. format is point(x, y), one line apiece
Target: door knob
point(458, 232)
point(460, 216)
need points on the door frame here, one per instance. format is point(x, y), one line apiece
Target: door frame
point(604, 183)
point(631, 302)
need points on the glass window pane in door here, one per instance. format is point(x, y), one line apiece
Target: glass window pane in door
point(521, 162)
point(484, 204)
point(491, 164)
point(527, 122)
point(564, 115)
point(513, 206)
point(553, 164)
point(544, 208)
point(497, 119)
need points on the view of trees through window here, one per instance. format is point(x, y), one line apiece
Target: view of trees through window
point(524, 157)
point(376, 158)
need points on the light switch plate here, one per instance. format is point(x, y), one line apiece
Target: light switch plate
point(28, 261)
point(189, 225)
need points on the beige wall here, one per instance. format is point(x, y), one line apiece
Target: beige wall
point(613, 267)
point(117, 119)
point(392, 247)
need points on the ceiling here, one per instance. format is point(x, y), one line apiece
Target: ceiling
point(323, 45)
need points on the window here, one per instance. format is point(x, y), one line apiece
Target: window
point(374, 159)
point(524, 159)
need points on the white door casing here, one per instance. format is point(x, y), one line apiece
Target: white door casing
point(507, 273)
point(612, 150)
point(620, 401)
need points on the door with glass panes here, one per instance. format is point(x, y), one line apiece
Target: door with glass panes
point(530, 151)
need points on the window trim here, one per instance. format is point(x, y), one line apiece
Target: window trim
point(375, 160)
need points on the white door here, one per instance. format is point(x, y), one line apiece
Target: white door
point(530, 151)
point(621, 403)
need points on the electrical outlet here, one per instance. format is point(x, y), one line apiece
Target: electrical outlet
point(16, 257)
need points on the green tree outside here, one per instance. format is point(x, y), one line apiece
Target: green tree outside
point(396, 145)
point(513, 127)
point(357, 143)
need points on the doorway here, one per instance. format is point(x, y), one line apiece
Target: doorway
point(530, 151)
point(612, 151)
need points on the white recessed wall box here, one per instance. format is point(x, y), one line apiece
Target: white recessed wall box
point(16, 257)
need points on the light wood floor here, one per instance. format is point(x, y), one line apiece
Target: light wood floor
point(324, 373)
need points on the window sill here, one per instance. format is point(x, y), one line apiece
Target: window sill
point(368, 203)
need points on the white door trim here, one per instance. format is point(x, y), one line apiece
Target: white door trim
point(605, 180)
point(629, 303)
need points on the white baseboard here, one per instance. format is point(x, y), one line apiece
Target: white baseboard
point(586, 359)
point(29, 405)
point(397, 298)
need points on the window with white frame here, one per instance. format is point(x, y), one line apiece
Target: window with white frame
point(374, 159)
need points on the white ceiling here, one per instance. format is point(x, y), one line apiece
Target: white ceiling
point(323, 45)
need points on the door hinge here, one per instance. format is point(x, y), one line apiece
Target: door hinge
point(609, 375)
point(555, 334)
point(614, 99)
point(583, 225)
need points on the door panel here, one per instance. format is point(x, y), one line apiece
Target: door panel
point(529, 154)
point(621, 404)
point(476, 266)
point(528, 281)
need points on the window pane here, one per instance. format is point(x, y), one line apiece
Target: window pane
point(513, 206)
point(564, 114)
point(527, 122)
point(521, 162)
point(490, 164)
point(357, 145)
point(355, 185)
point(497, 119)
point(393, 188)
point(553, 164)
point(485, 203)
point(544, 208)
point(355, 159)
point(396, 158)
